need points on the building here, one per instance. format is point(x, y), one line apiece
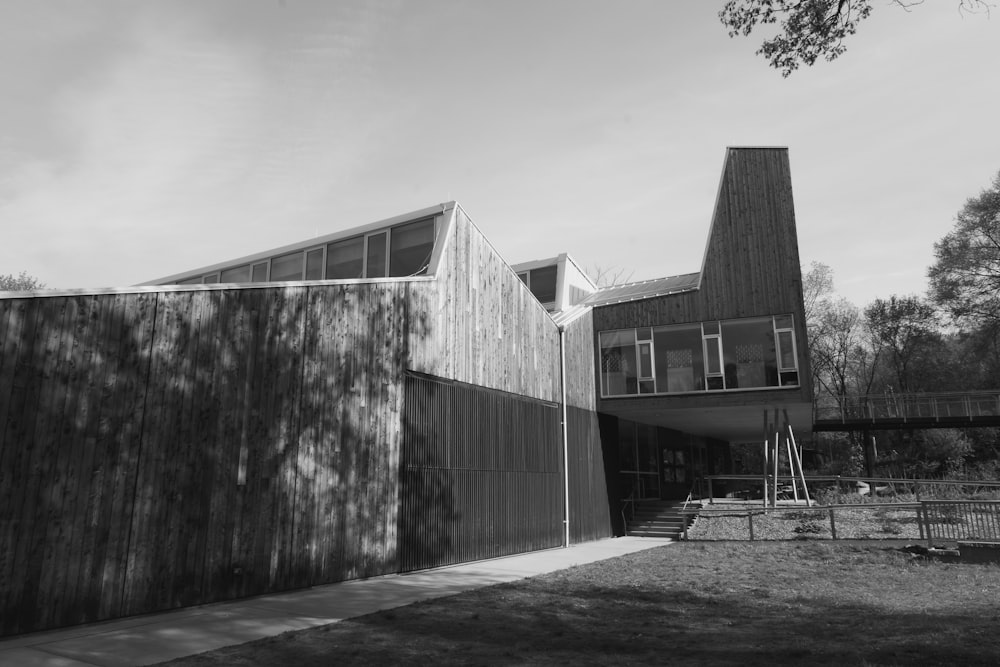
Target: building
point(384, 399)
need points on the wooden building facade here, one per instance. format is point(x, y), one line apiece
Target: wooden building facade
point(386, 399)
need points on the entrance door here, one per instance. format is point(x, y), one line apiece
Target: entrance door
point(675, 471)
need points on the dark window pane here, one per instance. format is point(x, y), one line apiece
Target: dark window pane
point(287, 267)
point(680, 365)
point(782, 321)
point(645, 360)
point(376, 256)
point(314, 264)
point(260, 272)
point(239, 274)
point(714, 365)
point(211, 278)
point(345, 259)
point(190, 281)
point(748, 353)
point(543, 283)
point(523, 277)
point(786, 350)
point(410, 248)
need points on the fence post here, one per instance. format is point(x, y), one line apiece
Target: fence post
point(833, 525)
point(750, 522)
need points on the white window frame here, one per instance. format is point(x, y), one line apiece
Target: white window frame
point(778, 349)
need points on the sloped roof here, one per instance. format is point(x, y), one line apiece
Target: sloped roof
point(644, 289)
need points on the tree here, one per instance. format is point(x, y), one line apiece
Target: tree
point(21, 283)
point(809, 29)
point(965, 276)
point(608, 276)
point(833, 328)
point(907, 328)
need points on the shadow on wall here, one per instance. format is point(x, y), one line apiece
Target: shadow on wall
point(176, 448)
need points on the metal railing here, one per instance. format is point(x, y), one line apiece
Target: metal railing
point(954, 520)
point(893, 485)
point(905, 408)
point(938, 521)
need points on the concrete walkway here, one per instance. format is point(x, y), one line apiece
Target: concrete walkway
point(152, 638)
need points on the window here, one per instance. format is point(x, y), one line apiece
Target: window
point(314, 264)
point(259, 273)
point(239, 274)
point(748, 353)
point(542, 282)
point(644, 345)
point(375, 259)
point(618, 363)
point(713, 356)
point(346, 259)
point(287, 267)
point(410, 248)
point(680, 364)
point(784, 336)
point(400, 251)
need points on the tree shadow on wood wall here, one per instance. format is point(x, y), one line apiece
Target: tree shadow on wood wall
point(175, 448)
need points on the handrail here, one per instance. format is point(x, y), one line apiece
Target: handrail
point(912, 407)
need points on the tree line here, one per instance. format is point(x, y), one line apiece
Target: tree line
point(945, 340)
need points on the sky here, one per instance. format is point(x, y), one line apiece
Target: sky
point(139, 140)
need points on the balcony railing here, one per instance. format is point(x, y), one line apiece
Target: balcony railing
point(953, 407)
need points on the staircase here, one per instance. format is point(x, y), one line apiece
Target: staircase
point(660, 518)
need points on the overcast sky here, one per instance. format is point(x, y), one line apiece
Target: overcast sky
point(138, 140)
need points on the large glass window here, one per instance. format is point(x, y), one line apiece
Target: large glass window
point(749, 353)
point(748, 350)
point(400, 251)
point(314, 264)
point(287, 267)
point(543, 283)
point(375, 264)
point(410, 248)
point(679, 362)
point(239, 274)
point(618, 363)
point(346, 259)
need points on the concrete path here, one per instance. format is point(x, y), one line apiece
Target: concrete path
point(152, 638)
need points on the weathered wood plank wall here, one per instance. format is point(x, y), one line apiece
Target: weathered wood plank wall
point(173, 448)
point(168, 448)
point(589, 503)
point(481, 474)
point(491, 331)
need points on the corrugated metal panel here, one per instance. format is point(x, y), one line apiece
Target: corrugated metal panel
point(481, 474)
point(643, 290)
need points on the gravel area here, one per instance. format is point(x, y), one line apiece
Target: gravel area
point(732, 523)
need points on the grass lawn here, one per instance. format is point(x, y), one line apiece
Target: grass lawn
point(721, 603)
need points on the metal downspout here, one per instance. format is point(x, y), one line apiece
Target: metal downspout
point(565, 437)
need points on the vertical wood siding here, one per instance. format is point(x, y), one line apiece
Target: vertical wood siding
point(481, 474)
point(589, 503)
point(491, 331)
point(171, 448)
point(125, 421)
